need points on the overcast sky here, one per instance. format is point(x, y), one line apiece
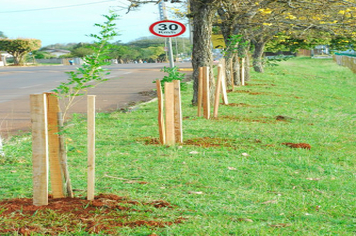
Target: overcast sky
point(68, 21)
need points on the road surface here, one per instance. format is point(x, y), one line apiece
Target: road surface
point(126, 82)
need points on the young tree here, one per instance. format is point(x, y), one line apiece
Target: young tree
point(91, 71)
point(19, 48)
point(81, 80)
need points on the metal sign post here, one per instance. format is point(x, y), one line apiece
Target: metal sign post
point(167, 29)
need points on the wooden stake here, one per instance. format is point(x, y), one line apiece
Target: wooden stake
point(53, 145)
point(39, 149)
point(169, 108)
point(217, 91)
point(232, 75)
point(243, 71)
point(91, 147)
point(206, 92)
point(200, 90)
point(223, 88)
point(161, 127)
point(178, 131)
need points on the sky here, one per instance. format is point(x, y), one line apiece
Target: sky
point(69, 21)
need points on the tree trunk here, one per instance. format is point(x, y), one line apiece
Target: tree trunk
point(202, 14)
point(228, 28)
point(236, 69)
point(247, 66)
point(258, 55)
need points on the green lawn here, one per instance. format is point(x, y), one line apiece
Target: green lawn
point(233, 175)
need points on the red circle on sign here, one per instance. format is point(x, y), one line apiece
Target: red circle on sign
point(167, 28)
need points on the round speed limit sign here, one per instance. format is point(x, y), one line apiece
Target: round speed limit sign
point(167, 28)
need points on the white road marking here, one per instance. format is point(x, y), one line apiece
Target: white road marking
point(36, 85)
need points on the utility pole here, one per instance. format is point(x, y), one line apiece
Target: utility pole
point(163, 16)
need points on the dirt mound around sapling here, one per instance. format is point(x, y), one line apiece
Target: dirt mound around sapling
point(298, 145)
point(107, 213)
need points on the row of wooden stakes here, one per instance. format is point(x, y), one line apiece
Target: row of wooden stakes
point(170, 111)
point(221, 87)
point(48, 149)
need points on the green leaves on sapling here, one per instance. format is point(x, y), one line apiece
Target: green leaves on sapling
point(173, 74)
point(91, 71)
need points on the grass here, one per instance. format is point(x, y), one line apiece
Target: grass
point(248, 182)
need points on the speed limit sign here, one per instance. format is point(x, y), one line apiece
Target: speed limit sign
point(167, 28)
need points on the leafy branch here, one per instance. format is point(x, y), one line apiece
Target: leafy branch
point(173, 74)
point(91, 73)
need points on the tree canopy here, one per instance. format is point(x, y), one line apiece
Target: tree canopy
point(19, 48)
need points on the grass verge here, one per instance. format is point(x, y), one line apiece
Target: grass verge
point(235, 175)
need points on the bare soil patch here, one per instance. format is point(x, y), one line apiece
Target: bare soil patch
point(199, 142)
point(298, 145)
point(105, 214)
point(210, 142)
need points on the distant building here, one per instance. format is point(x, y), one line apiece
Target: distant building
point(57, 52)
point(3, 56)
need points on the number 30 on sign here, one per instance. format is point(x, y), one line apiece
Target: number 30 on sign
point(167, 28)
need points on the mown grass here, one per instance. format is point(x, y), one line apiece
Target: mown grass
point(248, 184)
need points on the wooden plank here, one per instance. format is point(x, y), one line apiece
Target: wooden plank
point(53, 146)
point(223, 88)
point(161, 127)
point(178, 130)
point(91, 146)
point(242, 71)
point(200, 90)
point(218, 91)
point(232, 75)
point(206, 92)
point(38, 108)
point(169, 108)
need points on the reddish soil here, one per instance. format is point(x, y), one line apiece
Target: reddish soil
point(210, 142)
point(199, 142)
point(283, 118)
point(104, 214)
point(298, 145)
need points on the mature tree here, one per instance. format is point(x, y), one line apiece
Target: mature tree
point(201, 16)
point(152, 53)
point(180, 45)
point(19, 48)
point(260, 20)
point(304, 21)
point(146, 42)
point(123, 53)
point(81, 51)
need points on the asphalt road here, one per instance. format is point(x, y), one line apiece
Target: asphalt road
point(125, 86)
